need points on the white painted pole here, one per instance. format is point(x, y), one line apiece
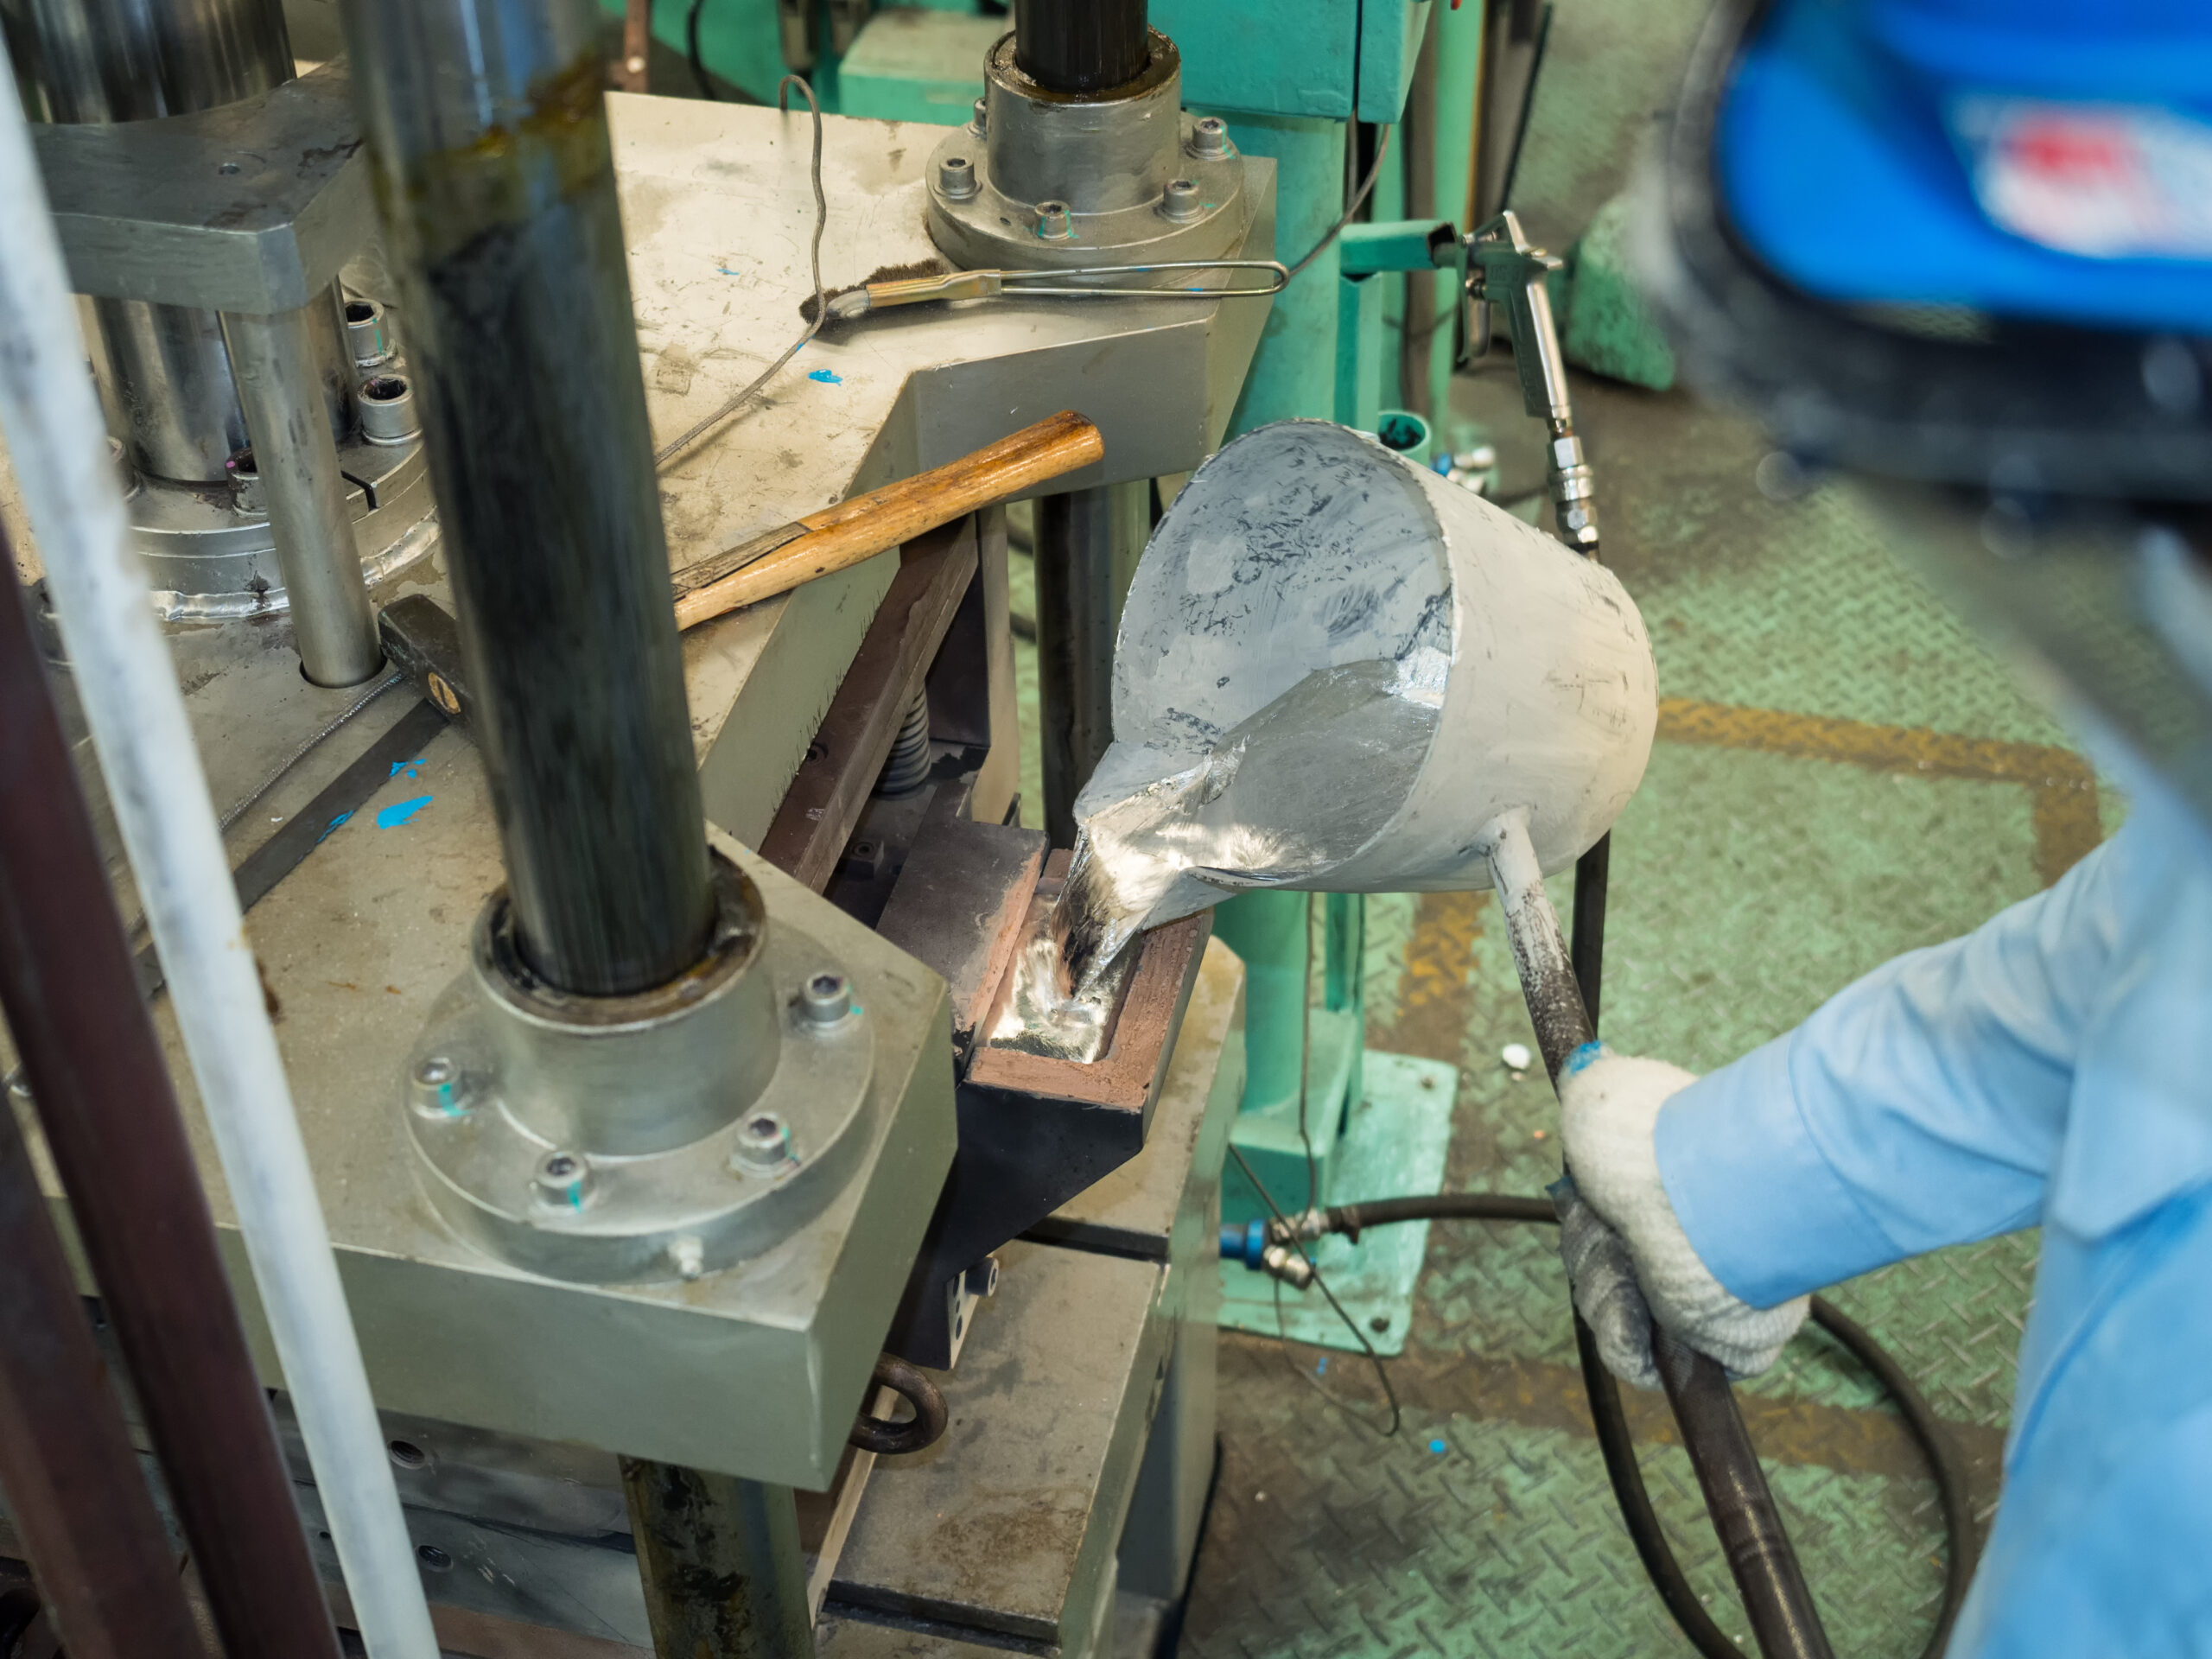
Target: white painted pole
point(127, 683)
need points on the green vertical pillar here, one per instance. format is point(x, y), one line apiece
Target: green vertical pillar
point(1456, 37)
point(1294, 375)
point(1268, 931)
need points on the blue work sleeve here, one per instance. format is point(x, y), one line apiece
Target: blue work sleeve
point(1922, 1106)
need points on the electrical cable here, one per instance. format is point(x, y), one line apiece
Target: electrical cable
point(1382, 1371)
point(692, 51)
point(1611, 1418)
point(1359, 200)
point(1527, 105)
point(670, 451)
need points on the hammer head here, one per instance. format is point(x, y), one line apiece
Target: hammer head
point(424, 642)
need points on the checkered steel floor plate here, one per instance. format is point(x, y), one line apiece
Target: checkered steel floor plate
point(1465, 1537)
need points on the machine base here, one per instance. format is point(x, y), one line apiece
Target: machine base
point(1395, 1144)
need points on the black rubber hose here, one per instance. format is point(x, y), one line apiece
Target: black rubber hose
point(911, 1384)
point(1618, 1449)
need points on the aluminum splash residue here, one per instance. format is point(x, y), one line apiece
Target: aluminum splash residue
point(1279, 799)
point(1043, 1015)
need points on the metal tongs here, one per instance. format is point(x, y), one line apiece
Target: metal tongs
point(1053, 284)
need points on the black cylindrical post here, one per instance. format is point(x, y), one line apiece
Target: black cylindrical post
point(1088, 544)
point(488, 128)
point(1079, 46)
point(111, 1122)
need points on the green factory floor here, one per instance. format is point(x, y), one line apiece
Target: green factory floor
point(1841, 773)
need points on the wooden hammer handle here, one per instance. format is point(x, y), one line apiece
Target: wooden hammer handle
point(842, 536)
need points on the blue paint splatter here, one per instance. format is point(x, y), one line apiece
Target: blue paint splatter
point(329, 827)
point(827, 378)
point(726, 270)
point(412, 768)
point(400, 812)
point(1436, 1445)
point(1585, 1056)
point(1321, 1366)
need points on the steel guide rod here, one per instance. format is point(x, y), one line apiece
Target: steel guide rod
point(1079, 46)
point(487, 128)
point(273, 359)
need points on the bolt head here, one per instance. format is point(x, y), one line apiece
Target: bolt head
point(956, 178)
point(1180, 200)
point(1053, 221)
point(826, 999)
point(1209, 136)
point(980, 119)
point(563, 1181)
point(439, 1088)
point(764, 1145)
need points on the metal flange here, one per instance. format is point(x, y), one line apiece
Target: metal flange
point(1044, 179)
point(633, 1139)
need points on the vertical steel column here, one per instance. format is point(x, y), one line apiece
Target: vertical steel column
point(1088, 544)
point(280, 387)
point(1079, 46)
point(111, 1122)
point(723, 1568)
point(73, 1483)
point(488, 130)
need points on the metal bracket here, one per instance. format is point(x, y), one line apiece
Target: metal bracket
point(250, 207)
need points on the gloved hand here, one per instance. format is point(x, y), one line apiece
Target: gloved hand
point(1609, 1106)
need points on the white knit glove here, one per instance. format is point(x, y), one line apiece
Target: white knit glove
point(1609, 1106)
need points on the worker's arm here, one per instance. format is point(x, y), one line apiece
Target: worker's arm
point(1922, 1106)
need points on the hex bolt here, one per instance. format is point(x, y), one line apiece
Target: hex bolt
point(687, 1255)
point(246, 493)
point(1209, 136)
point(387, 406)
point(956, 178)
point(1179, 200)
point(368, 332)
point(438, 1089)
point(1052, 222)
point(563, 1181)
point(764, 1145)
point(826, 998)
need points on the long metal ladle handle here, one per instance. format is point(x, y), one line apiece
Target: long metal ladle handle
point(1775, 1597)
